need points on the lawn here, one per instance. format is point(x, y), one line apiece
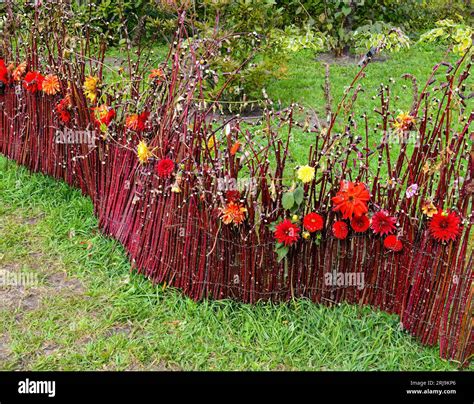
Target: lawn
point(88, 312)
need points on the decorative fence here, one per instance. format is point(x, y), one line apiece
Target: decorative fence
point(179, 225)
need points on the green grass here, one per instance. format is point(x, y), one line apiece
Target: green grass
point(89, 312)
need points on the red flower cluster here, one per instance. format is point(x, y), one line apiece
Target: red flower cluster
point(287, 232)
point(62, 109)
point(393, 243)
point(445, 226)
point(33, 82)
point(313, 222)
point(165, 168)
point(383, 223)
point(340, 230)
point(351, 199)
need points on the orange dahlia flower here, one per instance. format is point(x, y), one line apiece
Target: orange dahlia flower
point(351, 199)
point(234, 212)
point(51, 84)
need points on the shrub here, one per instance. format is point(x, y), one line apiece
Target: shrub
point(447, 31)
point(372, 35)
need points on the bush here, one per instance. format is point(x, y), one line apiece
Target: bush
point(448, 32)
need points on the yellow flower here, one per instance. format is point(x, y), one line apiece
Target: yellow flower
point(211, 142)
point(175, 188)
point(295, 218)
point(143, 152)
point(306, 235)
point(305, 173)
point(429, 209)
point(90, 87)
point(403, 122)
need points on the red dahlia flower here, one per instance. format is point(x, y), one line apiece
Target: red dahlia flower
point(393, 243)
point(33, 82)
point(313, 222)
point(383, 223)
point(137, 122)
point(232, 196)
point(103, 115)
point(165, 168)
point(360, 224)
point(286, 232)
point(340, 230)
point(351, 199)
point(445, 226)
point(3, 72)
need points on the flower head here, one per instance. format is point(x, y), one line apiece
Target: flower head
point(429, 209)
point(235, 148)
point(143, 152)
point(445, 226)
point(232, 195)
point(351, 199)
point(403, 122)
point(90, 87)
point(287, 232)
point(382, 223)
point(234, 212)
point(19, 71)
point(165, 168)
point(313, 222)
point(340, 230)
point(3, 72)
point(137, 122)
point(157, 74)
point(103, 115)
point(305, 173)
point(175, 188)
point(411, 191)
point(33, 82)
point(62, 108)
point(360, 224)
point(393, 243)
point(51, 84)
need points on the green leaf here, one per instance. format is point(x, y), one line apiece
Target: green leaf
point(282, 253)
point(346, 10)
point(298, 195)
point(288, 200)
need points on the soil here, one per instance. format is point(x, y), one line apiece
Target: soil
point(345, 60)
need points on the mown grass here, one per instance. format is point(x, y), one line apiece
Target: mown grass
point(98, 315)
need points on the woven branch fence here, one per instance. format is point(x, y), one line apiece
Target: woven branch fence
point(172, 225)
point(180, 242)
